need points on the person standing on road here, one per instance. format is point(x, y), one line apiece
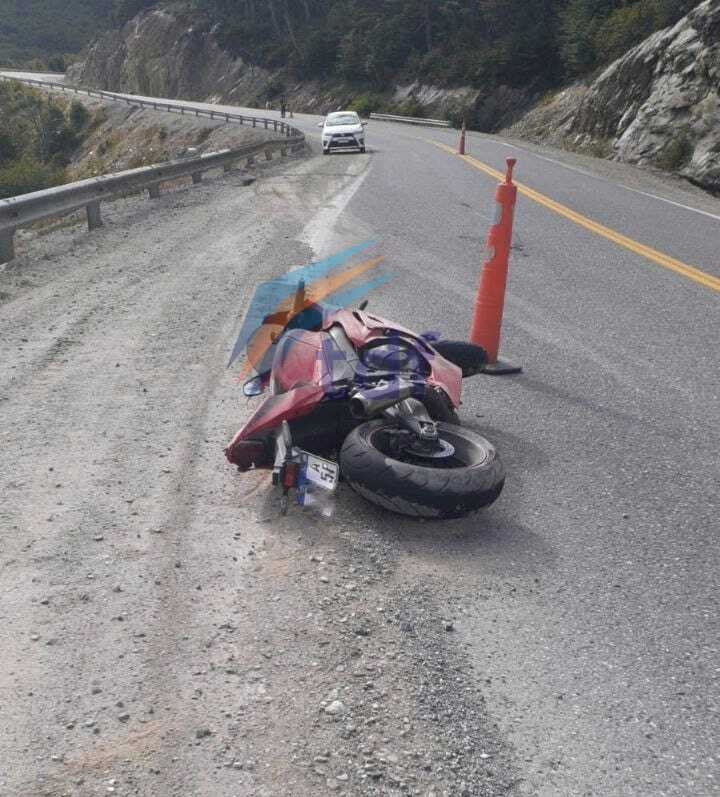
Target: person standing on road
point(283, 107)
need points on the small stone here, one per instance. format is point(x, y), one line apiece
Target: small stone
point(336, 707)
point(124, 717)
point(34, 637)
point(203, 733)
point(449, 626)
point(98, 538)
point(324, 579)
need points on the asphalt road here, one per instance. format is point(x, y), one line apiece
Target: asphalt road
point(591, 587)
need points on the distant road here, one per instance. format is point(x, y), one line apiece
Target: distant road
point(590, 591)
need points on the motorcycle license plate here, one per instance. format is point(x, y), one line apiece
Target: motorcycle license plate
point(317, 482)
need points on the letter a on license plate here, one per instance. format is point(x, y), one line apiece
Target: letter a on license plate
point(317, 482)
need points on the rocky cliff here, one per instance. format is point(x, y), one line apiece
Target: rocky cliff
point(167, 54)
point(657, 105)
point(170, 53)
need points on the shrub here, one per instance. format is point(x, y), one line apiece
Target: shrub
point(26, 175)
point(676, 153)
point(56, 63)
point(411, 107)
point(8, 150)
point(366, 103)
point(78, 116)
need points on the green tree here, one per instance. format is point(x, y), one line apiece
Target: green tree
point(78, 116)
point(8, 150)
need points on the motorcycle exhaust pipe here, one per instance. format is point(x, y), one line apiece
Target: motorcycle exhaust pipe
point(372, 401)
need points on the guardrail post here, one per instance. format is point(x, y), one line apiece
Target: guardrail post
point(268, 154)
point(266, 124)
point(197, 177)
point(275, 123)
point(283, 151)
point(7, 246)
point(154, 191)
point(227, 117)
point(94, 219)
point(254, 121)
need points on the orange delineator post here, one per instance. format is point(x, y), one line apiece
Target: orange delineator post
point(461, 143)
point(490, 301)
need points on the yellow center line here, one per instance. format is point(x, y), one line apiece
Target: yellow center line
point(695, 274)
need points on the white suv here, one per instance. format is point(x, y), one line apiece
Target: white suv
point(343, 130)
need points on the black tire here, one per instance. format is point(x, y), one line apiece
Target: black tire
point(467, 356)
point(421, 491)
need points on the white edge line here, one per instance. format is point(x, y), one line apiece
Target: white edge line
point(611, 182)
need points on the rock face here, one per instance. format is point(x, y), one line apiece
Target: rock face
point(160, 53)
point(168, 53)
point(657, 105)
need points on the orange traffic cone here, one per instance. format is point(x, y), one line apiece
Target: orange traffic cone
point(489, 305)
point(461, 143)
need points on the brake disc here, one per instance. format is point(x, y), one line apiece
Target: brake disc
point(441, 450)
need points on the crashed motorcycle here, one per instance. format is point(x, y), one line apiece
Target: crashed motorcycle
point(353, 396)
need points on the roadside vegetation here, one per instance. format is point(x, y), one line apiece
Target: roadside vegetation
point(370, 44)
point(481, 43)
point(37, 139)
point(48, 34)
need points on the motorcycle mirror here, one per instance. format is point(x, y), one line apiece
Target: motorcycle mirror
point(254, 387)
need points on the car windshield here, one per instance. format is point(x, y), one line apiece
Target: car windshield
point(337, 119)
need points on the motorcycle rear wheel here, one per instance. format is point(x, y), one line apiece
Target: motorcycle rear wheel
point(443, 488)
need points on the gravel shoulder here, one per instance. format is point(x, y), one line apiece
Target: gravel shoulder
point(165, 631)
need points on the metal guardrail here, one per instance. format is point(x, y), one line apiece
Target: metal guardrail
point(410, 120)
point(263, 123)
point(20, 211)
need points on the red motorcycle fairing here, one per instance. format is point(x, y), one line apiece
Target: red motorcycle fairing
point(361, 328)
point(299, 381)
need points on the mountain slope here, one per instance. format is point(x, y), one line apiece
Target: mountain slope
point(42, 28)
point(658, 105)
